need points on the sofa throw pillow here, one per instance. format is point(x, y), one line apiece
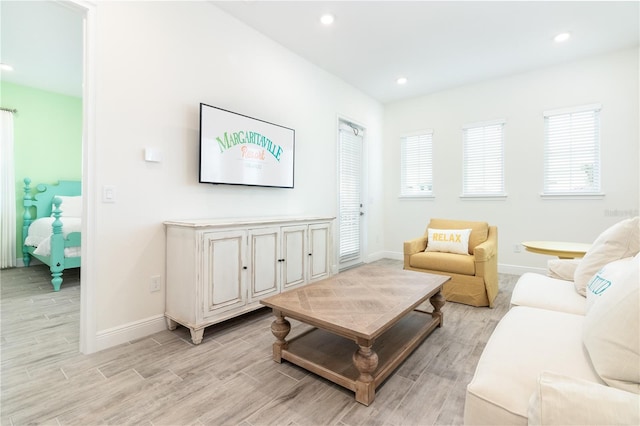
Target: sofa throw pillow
point(611, 331)
point(562, 269)
point(71, 206)
point(619, 241)
point(448, 240)
point(610, 274)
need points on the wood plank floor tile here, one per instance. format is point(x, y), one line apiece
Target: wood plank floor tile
point(230, 378)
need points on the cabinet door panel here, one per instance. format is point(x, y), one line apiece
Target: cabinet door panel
point(319, 251)
point(294, 243)
point(222, 271)
point(264, 263)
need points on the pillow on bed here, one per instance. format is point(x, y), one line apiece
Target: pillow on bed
point(448, 240)
point(39, 230)
point(70, 206)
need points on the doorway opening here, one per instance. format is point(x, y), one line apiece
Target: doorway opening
point(351, 207)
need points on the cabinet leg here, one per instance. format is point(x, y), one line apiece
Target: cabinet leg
point(171, 324)
point(196, 336)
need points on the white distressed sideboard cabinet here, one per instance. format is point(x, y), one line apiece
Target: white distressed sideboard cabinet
point(219, 269)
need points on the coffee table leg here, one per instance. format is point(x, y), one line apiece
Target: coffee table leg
point(365, 360)
point(437, 301)
point(280, 328)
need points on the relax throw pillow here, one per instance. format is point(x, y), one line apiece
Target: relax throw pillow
point(619, 241)
point(611, 331)
point(448, 240)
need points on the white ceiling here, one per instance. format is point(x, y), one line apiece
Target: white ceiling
point(42, 40)
point(436, 45)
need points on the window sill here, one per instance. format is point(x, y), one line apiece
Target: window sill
point(570, 196)
point(417, 197)
point(501, 197)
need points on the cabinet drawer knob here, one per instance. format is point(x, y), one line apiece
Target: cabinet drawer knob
point(244, 267)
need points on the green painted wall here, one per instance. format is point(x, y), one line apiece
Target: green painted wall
point(47, 136)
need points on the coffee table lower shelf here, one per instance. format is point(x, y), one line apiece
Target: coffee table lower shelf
point(331, 356)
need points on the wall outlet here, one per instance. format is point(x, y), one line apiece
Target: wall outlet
point(155, 283)
point(517, 248)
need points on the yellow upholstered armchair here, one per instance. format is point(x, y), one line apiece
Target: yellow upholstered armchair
point(474, 274)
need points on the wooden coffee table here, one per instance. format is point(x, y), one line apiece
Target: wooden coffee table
point(375, 307)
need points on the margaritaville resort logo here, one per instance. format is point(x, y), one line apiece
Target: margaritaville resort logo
point(254, 145)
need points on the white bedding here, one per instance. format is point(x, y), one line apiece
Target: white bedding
point(39, 235)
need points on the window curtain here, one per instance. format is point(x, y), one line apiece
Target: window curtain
point(7, 193)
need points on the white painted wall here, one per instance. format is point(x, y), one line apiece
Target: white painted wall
point(156, 61)
point(611, 80)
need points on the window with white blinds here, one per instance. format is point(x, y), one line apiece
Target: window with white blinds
point(483, 159)
point(572, 151)
point(416, 165)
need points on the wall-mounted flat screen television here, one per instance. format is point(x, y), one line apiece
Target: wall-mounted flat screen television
point(236, 149)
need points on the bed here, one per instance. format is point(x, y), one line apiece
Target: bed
point(52, 226)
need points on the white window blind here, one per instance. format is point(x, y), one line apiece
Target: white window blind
point(483, 159)
point(572, 151)
point(350, 188)
point(416, 165)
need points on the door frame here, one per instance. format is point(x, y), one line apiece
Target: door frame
point(88, 322)
point(364, 191)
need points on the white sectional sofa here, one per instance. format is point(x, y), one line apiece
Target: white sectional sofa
point(558, 357)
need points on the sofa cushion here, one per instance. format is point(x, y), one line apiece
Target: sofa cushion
point(540, 291)
point(619, 241)
point(444, 262)
point(479, 230)
point(612, 331)
point(526, 342)
point(562, 400)
point(448, 240)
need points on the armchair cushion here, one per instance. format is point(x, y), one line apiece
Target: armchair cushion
point(443, 262)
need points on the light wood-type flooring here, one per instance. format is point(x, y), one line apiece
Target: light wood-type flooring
point(230, 378)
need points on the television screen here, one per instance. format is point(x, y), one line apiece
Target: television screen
point(239, 150)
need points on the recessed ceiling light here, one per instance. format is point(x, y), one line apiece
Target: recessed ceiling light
point(327, 19)
point(562, 37)
point(6, 67)
point(401, 80)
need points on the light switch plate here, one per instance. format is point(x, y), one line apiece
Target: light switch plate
point(108, 194)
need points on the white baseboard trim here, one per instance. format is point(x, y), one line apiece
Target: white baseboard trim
point(128, 332)
point(384, 255)
point(519, 270)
